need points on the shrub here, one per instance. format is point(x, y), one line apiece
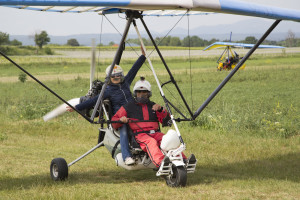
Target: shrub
point(22, 77)
point(48, 51)
point(3, 136)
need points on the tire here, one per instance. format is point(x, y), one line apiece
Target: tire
point(178, 178)
point(59, 169)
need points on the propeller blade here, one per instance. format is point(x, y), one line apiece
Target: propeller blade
point(93, 63)
point(60, 109)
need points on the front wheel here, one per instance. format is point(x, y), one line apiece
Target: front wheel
point(59, 169)
point(178, 178)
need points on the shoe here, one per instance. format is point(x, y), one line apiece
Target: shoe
point(191, 164)
point(191, 160)
point(185, 161)
point(129, 161)
point(166, 161)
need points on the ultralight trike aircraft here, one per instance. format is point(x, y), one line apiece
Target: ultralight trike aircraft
point(229, 58)
point(175, 172)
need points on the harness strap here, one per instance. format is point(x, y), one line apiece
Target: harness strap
point(150, 132)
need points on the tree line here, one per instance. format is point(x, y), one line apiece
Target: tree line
point(42, 39)
point(195, 41)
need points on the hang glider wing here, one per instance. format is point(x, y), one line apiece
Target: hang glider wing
point(106, 10)
point(242, 45)
point(100, 6)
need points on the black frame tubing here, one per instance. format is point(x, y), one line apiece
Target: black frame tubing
point(120, 56)
point(116, 58)
point(215, 92)
point(165, 64)
point(47, 88)
point(173, 106)
point(176, 109)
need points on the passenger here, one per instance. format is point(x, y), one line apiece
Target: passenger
point(118, 92)
point(147, 134)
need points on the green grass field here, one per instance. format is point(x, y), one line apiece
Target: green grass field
point(246, 141)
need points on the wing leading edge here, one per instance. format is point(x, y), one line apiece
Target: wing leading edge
point(257, 10)
point(219, 6)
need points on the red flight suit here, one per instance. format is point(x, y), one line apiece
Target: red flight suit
point(149, 141)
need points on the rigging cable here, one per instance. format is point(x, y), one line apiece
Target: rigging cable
point(120, 33)
point(180, 105)
point(169, 31)
point(186, 13)
point(190, 60)
point(158, 41)
point(161, 42)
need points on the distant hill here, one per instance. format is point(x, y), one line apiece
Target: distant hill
point(240, 30)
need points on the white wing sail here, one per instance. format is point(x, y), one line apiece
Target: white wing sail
point(100, 6)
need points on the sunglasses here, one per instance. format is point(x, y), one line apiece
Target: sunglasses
point(142, 91)
point(115, 76)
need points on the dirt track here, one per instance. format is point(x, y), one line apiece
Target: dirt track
point(11, 79)
point(45, 77)
point(170, 53)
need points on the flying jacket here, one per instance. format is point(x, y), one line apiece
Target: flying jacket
point(138, 111)
point(118, 94)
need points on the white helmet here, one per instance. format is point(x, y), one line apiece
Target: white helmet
point(117, 70)
point(142, 85)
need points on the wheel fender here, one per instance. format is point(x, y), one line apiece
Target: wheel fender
point(170, 141)
point(178, 163)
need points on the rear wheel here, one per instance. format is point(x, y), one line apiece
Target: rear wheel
point(178, 178)
point(59, 169)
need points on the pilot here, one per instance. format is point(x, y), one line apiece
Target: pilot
point(231, 59)
point(118, 92)
point(146, 133)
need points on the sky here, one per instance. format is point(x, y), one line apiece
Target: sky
point(25, 22)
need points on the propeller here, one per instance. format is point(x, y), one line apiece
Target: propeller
point(228, 47)
point(60, 109)
point(63, 108)
point(93, 63)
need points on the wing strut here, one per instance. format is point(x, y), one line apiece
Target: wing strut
point(214, 93)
